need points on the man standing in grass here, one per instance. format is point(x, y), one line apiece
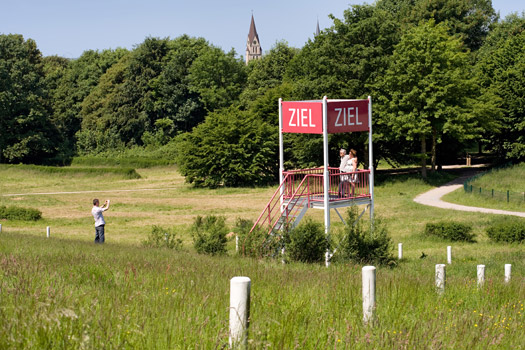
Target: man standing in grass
point(99, 219)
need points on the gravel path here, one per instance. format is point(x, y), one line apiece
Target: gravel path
point(433, 199)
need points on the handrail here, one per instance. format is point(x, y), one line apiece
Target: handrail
point(293, 187)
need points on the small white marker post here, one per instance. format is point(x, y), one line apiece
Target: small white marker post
point(236, 243)
point(400, 251)
point(239, 311)
point(369, 293)
point(0, 228)
point(48, 231)
point(481, 275)
point(508, 268)
point(449, 255)
point(440, 278)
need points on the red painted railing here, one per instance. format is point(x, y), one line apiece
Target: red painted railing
point(305, 186)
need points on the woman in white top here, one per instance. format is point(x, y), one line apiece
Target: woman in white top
point(353, 169)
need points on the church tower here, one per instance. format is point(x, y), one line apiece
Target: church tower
point(253, 45)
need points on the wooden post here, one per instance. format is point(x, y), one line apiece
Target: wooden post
point(239, 311)
point(369, 293)
point(440, 278)
point(508, 268)
point(481, 275)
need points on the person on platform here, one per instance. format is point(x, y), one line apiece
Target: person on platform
point(343, 166)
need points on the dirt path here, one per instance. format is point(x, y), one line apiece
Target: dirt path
point(433, 198)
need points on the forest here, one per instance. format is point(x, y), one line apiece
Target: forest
point(445, 77)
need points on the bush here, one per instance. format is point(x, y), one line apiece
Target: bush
point(364, 245)
point(209, 234)
point(258, 243)
point(507, 230)
point(160, 237)
point(307, 242)
point(17, 213)
point(449, 230)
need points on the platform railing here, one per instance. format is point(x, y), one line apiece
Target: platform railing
point(305, 186)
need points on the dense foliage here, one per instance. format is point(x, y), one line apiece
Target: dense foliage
point(448, 74)
point(451, 231)
point(160, 237)
point(307, 242)
point(18, 213)
point(507, 229)
point(359, 244)
point(209, 234)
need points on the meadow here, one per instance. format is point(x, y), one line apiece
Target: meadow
point(67, 293)
point(494, 185)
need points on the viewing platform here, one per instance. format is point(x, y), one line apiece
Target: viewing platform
point(303, 189)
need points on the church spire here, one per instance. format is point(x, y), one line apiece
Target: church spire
point(253, 45)
point(317, 29)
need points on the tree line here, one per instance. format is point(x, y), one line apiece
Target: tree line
point(444, 75)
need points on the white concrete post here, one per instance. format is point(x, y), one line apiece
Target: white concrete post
point(0, 228)
point(481, 275)
point(400, 251)
point(239, 311)
point(369, 293)
point(508, 268)
point(48, 231)
point(449, 255)
point(440, 278)
point(236, 243)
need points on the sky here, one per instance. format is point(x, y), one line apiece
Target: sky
point(69, 27)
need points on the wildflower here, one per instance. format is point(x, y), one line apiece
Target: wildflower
point(475, 324)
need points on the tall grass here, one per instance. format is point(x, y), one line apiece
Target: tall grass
point(71, 295)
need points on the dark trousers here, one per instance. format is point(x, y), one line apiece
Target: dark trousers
point(99, 234)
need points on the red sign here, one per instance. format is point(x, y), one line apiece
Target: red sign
point(302, 117)
point(347, 116)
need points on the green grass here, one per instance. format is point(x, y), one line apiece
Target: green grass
point(67, 293)
point(494, 186)
point(127, 173)
point(130, 162)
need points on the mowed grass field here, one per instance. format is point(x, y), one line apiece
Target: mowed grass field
point(67, 293)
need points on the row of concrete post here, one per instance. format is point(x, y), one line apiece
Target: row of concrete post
point(240, 298)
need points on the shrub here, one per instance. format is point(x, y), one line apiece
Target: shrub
point(209, 234)
point(160, 237)
point(258, 243)
point(17, 213)
point(307, 242)
point(449, 230)
point(507, 230)
point(370, 246)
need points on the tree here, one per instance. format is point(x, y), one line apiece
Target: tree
point(501, 72)
point(267, 73)
point(217, 77)
point(24, 122)
point(426, 88)
point(231, 148)
point(76, 82)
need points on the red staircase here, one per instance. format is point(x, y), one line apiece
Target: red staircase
point(303, 189)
